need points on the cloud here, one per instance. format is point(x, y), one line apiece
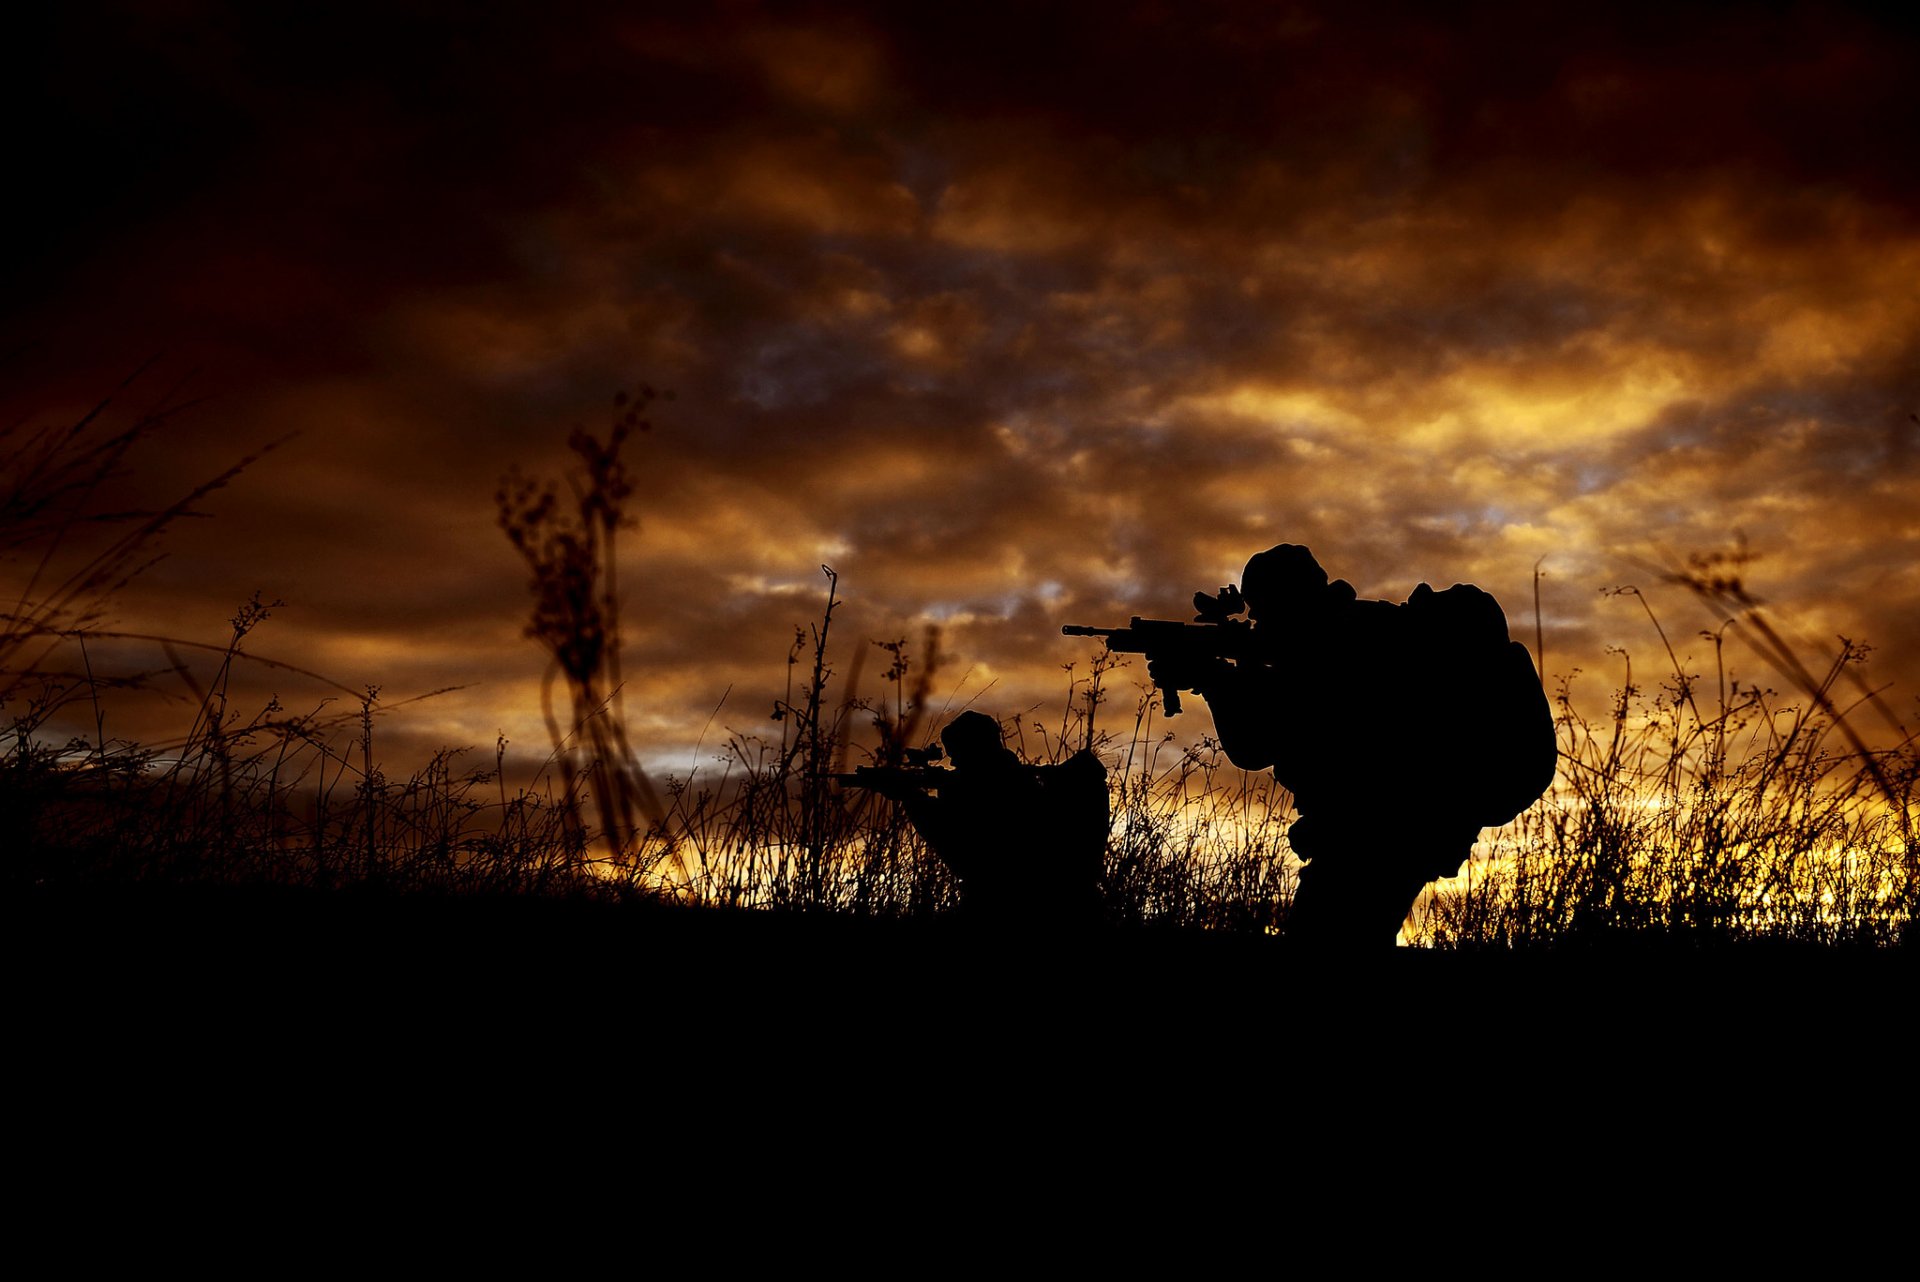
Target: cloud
point(1019, 322)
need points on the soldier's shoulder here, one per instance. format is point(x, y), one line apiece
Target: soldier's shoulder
point(1084, 764)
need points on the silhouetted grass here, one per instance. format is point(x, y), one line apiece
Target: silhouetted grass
point(1754, 818)
point(1705, 815)
point(261, 797)
point(1694, 813)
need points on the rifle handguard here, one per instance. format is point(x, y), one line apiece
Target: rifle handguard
point(1211, 640)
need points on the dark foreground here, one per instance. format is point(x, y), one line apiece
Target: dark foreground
point(206, 967)
point(280, 1073)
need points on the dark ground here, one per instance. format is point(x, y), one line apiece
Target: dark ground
point(216, 963)
point(222, 1063)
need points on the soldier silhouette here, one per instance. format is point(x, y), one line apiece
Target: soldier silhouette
point(1401, 730)
point(1026, 843)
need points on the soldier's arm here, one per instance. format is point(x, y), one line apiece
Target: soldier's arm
point(930, 817)
point(1243, 714)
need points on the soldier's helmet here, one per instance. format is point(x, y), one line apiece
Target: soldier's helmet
point(1281, 577)
point(971, 735)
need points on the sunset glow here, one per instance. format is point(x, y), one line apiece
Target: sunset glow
point(1015, 319)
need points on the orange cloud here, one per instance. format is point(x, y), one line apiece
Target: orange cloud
point(1009, 346)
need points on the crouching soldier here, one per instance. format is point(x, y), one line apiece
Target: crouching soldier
point(1025, 843)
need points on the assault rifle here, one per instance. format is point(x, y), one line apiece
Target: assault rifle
point(1215, 635)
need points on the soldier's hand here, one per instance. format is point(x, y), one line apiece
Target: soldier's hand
point(1186, 673)
point(894, 788)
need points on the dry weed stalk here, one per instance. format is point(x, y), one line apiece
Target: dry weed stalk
point(571, 547)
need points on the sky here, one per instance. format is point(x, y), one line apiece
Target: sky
point(1014, 315)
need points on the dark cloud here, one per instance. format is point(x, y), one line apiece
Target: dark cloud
point(1011, 315)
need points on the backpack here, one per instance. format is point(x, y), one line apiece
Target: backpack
point(1496, 753)
point(1075, 820)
